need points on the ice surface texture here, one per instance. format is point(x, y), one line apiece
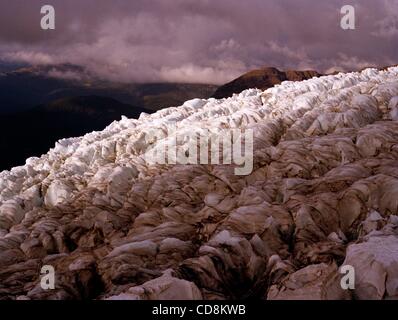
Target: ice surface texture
point(323, 192)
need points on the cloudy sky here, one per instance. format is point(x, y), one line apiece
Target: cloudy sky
point(204, 41)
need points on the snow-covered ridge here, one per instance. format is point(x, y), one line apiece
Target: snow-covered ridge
point(307, 135)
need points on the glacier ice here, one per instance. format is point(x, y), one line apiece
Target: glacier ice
point(114, 226)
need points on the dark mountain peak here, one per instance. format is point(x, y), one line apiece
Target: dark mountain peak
point(262, 71)
point(262, 79)
point(293, 75)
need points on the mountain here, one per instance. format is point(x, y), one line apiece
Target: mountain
point(33, 132)
point(315, 211)
point(93, 107)
point(261, 79)
point(27, 87)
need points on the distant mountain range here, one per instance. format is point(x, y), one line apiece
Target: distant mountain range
point(262, 79)
point(26, 88)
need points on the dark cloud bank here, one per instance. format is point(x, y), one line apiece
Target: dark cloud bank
point(200, 40)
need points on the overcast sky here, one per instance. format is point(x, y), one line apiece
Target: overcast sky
point(204, 41)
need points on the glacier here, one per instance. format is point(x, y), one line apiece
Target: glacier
point(323, 193)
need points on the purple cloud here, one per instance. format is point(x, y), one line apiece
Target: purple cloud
point(199, 40)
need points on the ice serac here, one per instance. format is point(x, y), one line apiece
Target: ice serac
point(323, 193)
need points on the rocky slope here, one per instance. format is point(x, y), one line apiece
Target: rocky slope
point(262, 79)
point(323, 193)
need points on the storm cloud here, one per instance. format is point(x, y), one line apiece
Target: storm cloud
point(199, 41)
